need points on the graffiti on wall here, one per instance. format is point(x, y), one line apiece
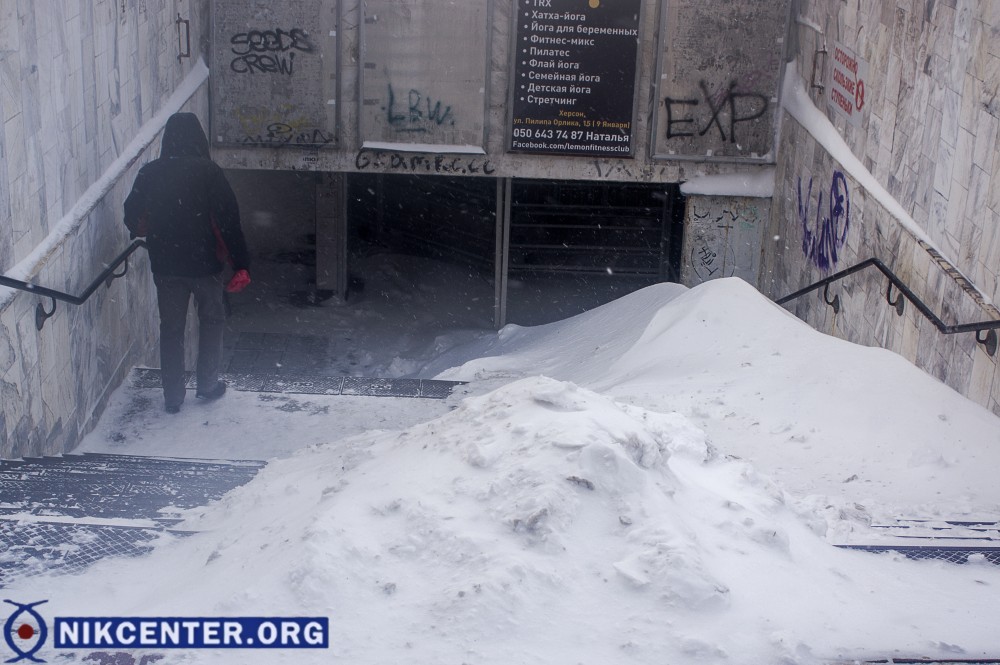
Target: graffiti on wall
point(418, 113)
point(422, 83)
point(282, 124)
point(716, 96)
point(722, 111)
point(723, 238)
point(708, 243)
point(379, 160)
point(268, 51)
point(273, 82)
point(824, 234)
point(273, 51)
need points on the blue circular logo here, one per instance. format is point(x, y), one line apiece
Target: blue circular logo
point(25, 631)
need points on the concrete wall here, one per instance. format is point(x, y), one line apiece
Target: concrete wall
point(928, 131)
point(77, 81)
point(722, 238)
point(378, 77)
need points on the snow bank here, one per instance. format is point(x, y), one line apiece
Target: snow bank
point(542, 523)
point(654, 481)
point(810, 410)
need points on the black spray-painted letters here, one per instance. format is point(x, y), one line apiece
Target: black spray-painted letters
point(268, 51)
point(734, 106)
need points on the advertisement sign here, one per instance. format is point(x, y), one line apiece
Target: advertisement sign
point(574, 76)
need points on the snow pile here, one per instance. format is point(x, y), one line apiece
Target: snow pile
point(819, 415)
point(656, 480)
point(541, 523)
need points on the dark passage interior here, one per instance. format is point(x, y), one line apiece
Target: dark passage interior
point(572, 245)
point(422, 262)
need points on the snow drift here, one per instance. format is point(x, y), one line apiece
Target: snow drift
point(605, 502)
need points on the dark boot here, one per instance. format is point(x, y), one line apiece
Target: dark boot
point(215, 392)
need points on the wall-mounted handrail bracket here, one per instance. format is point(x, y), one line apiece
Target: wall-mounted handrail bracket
point(183, 43)
point(817, 67)
point(989, 341)
point(115, 275)
point(899, 303)
point(835, 303)
point(41, 316)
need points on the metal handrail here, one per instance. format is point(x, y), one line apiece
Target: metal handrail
point(979, 327)
point(107, 276)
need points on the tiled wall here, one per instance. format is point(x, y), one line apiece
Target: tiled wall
point(929, 134)
point(77, 81)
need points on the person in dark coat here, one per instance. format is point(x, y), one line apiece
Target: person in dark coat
point(185, 208)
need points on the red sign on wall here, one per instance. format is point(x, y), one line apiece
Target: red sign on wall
point(847, 83)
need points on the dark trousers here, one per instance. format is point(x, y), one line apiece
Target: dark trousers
point(172, 297)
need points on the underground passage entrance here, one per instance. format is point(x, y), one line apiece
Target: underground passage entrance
point(426, 256)
point(548, 249)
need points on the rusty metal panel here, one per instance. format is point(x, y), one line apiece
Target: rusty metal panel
point(274, 67)
point(719, 76)
point(423, 75)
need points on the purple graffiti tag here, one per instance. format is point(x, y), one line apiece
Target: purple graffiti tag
point(824, 237)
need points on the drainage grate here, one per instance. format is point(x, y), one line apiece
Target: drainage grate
point(921, 661)
point(305, 384)
point(319, 385)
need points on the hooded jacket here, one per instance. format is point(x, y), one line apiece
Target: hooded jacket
point(176, 201)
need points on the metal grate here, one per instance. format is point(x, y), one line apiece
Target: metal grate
point(952, 540)
point(921, 661)
point(306, 384)
point(958, 555)
point(116, 486)
point(33, 548)
point(55, 509)
point(354, 385)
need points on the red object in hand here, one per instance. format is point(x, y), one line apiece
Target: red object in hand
point(239, 281)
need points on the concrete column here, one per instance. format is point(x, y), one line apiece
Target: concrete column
point(331, 234)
